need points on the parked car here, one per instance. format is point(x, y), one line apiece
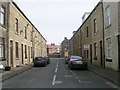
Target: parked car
point(77, 62)
point(67, 59)
point(39, 61)
point(47, 59)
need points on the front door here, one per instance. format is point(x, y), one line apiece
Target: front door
point(22, 53)
point(29, 53)
point(119, 51)
point(11, 53)
point(91, 53)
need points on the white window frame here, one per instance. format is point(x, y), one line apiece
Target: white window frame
point(109, 51)
point(95, 25)
point(16, 25)
point(2, 15)
point(2, 48)
point(107, 16)
point(25, 32)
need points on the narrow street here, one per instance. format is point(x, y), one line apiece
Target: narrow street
point(57, 75)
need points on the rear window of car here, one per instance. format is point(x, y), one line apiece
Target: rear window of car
point(76, 57)
point(39, 58)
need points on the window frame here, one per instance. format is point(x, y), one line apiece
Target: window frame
point(109, 48)
point(87, 32)
point(25, 32)
point(17, 50)
point(2, 45)
point(95, 25)
point(107, 17)
point(16, 25)
point(2, 15)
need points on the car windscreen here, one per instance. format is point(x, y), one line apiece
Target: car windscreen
point(76, 57)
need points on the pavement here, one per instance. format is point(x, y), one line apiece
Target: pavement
point(113, 76)
point(14, 71)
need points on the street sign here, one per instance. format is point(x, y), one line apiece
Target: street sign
point(86, 46)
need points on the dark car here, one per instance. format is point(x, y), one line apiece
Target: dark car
point(39, 61)
point(77, 62)
point(47, 59)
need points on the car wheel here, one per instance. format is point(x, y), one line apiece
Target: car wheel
point(34, 65)
point(86, 68)
point(70, 67)
point(45, 65)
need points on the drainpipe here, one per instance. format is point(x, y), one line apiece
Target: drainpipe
point(32, 43)
point(7, 32)
point(103, 34)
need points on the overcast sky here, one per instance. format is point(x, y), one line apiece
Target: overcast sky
point(56, 19)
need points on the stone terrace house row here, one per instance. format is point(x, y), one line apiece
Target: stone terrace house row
point(112, 34)
point(20, 41)
point(89, 37)
point(98, 38)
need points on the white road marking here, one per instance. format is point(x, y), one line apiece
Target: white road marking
point(76, 77)
point(73, 73)
point(68, 76)
point(58, 82)
point(80, 81)
point(54, 78)
point(56, 70)
point(57, 64)
point(112, 85)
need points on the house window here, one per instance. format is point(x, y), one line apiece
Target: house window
point(2, 48)
point(107, 17)
point(16, 25)
point(25, 32)
point(108, 41)
point(31, 36)
point(95, 50)
point(95, 25)
point(87, 33)
point(2, 15)
point(25, 51)
point(17, 50)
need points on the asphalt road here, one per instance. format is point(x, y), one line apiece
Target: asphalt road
point(57, 75)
